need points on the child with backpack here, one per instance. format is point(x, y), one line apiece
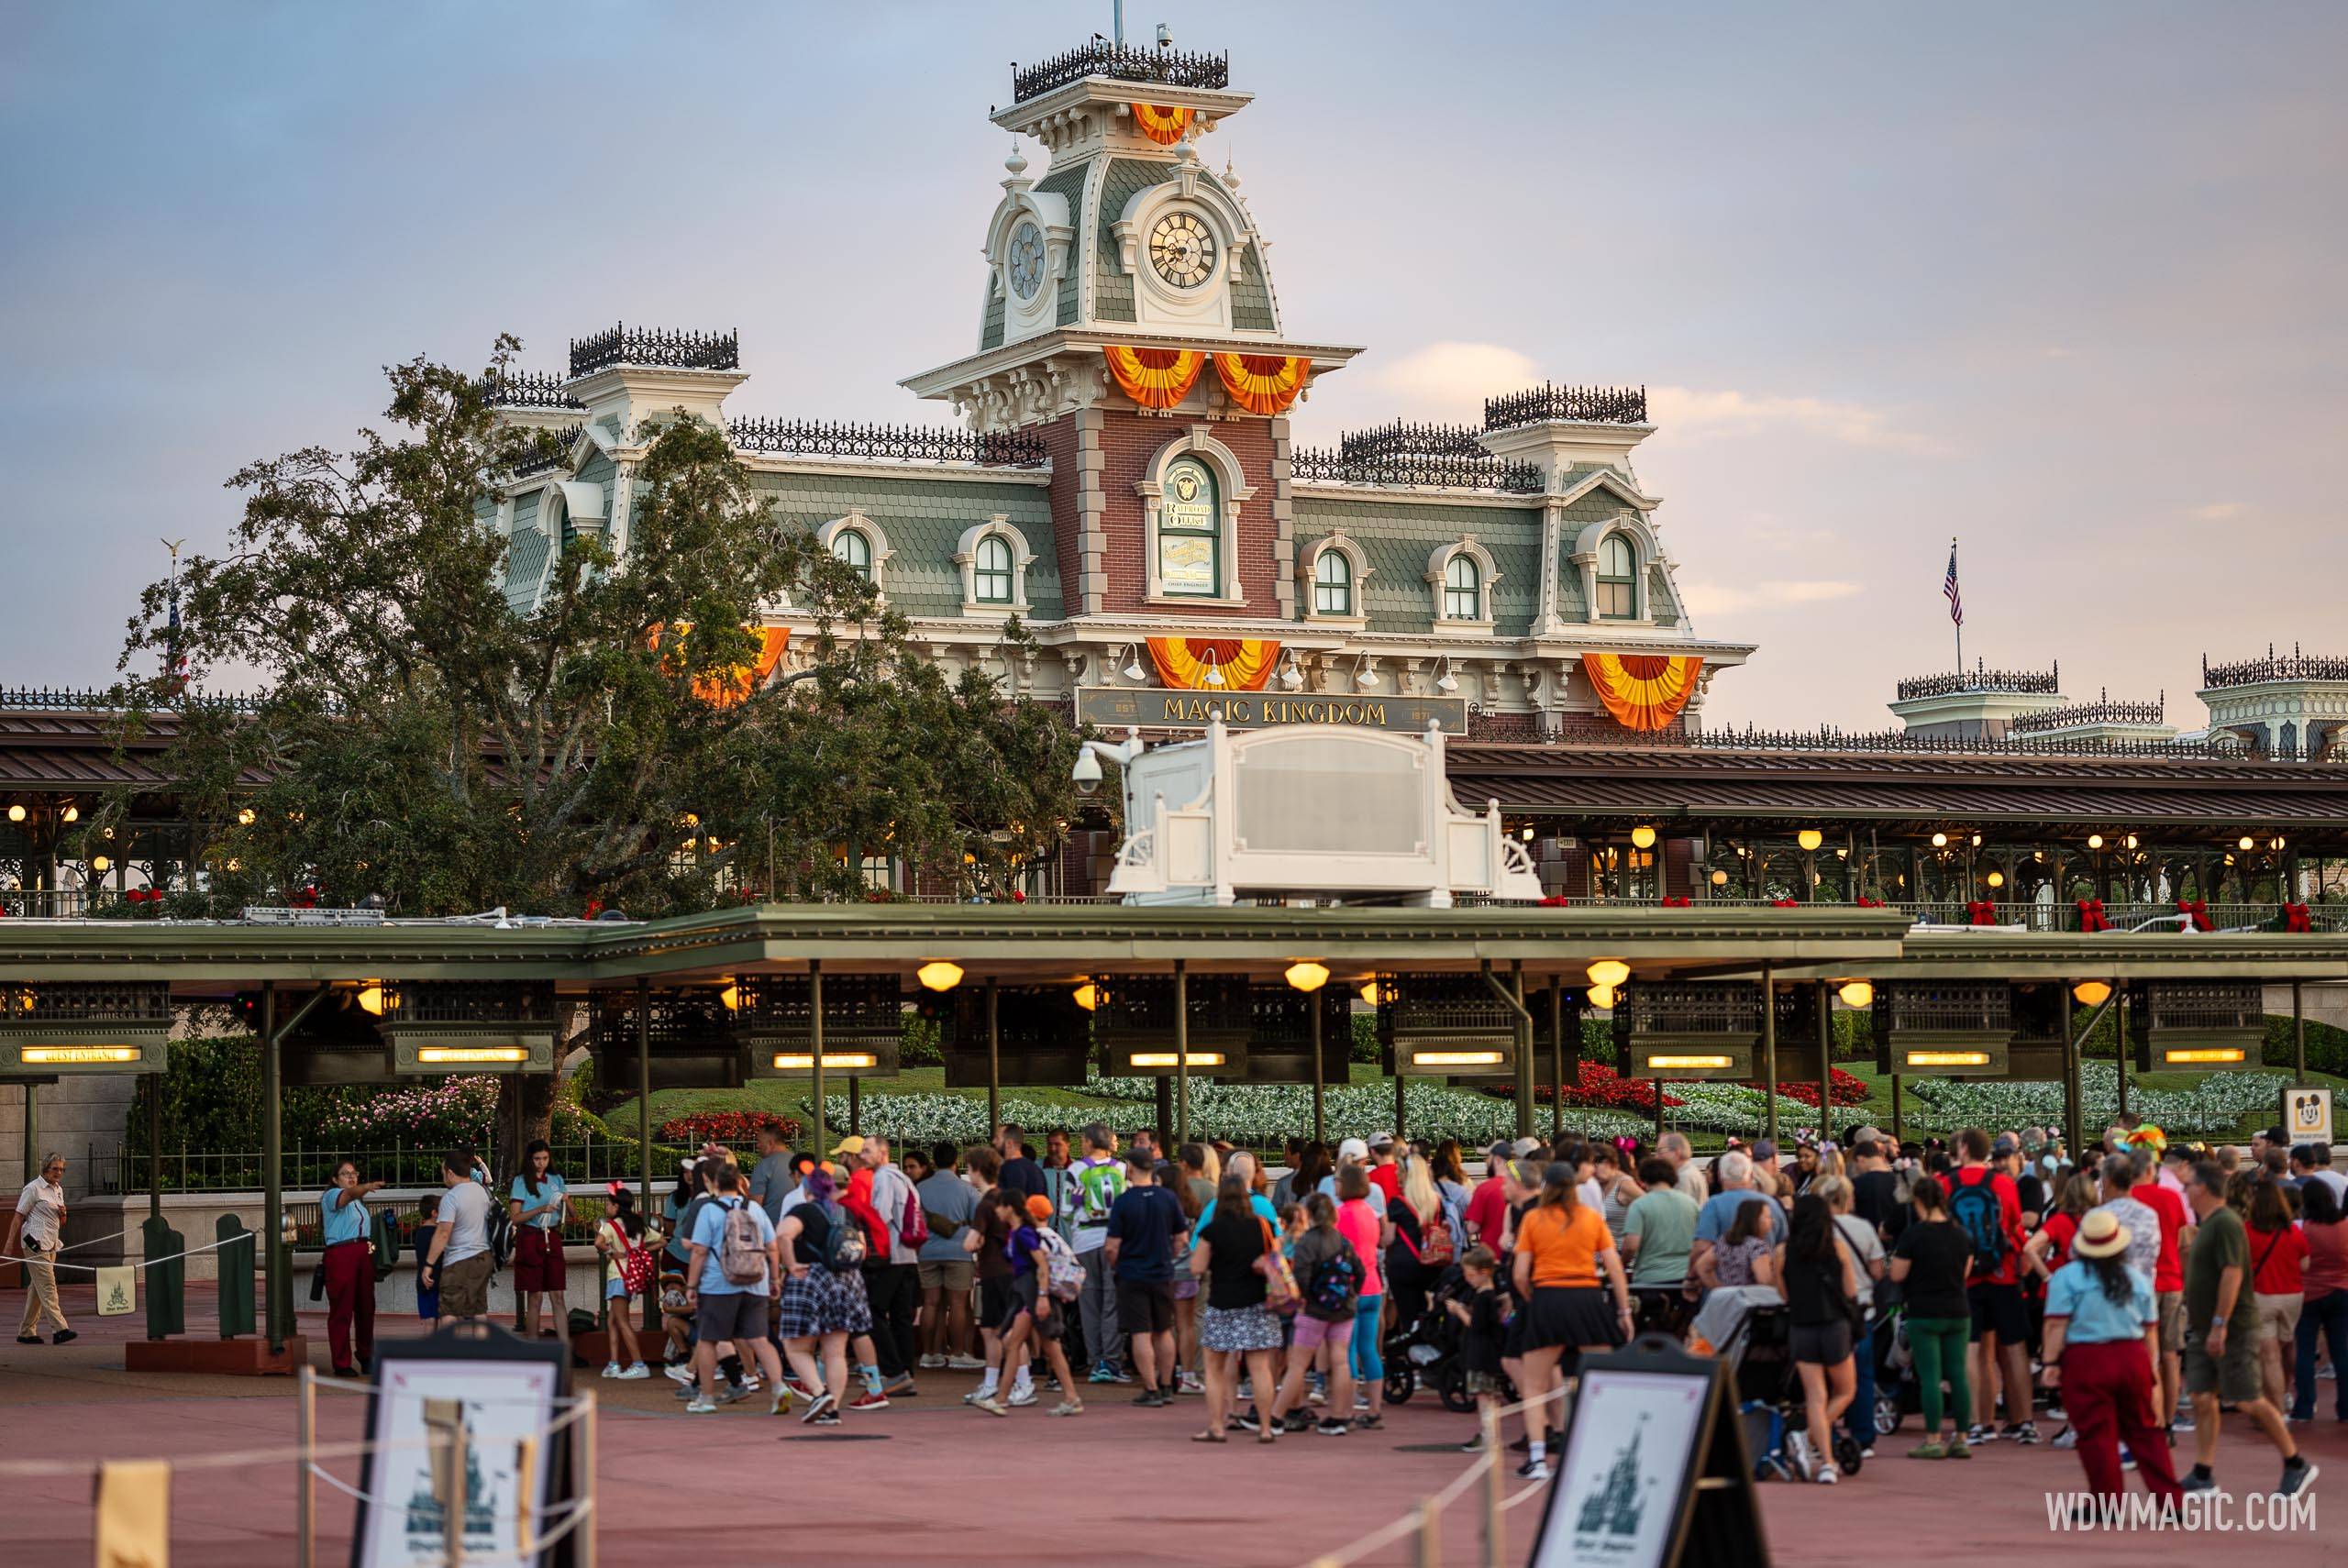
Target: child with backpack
point(1478, 1308)
point(824, 1300)
point(1045, 1280)
point(627, 1273)
point(1329, 1279)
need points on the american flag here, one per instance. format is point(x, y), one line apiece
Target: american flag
point(1949, 589)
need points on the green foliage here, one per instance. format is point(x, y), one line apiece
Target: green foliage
point(918, 1045)
point(2327, 1046)
point(1365, 1042)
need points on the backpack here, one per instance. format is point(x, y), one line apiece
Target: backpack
point(1335, 1284)
point(1437, 1243)
point(1064, 1275)
point(629, 1261)
point(844, 1245)
point(1974, 1208)
point(912, 1229)
point(499, 1230)
point(741, 1250)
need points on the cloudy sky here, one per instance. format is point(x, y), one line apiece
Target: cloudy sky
point(2065, 280)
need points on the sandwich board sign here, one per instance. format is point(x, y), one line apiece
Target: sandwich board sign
point(2306, 1115)
point(1654, 1472)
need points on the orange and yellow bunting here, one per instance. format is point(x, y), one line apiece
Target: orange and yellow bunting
point(1643, 692)
point(1154, 378)
point(725, 691)
point(1164, 127)
point(1245, 664)
point(1263, 384)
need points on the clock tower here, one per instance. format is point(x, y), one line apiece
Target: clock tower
point(1127, 315)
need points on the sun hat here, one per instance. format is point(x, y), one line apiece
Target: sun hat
point(2100, 1235)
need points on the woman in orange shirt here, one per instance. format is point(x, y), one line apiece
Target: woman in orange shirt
point(1563, 1251)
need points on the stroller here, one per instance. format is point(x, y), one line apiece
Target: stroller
point(1760, 1346)
point(1426, 1353)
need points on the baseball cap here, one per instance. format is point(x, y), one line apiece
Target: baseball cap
point(851, 1145)
point(1524, 1146)
point(2004, 1145)
point(1869, 1133)
point(1383, 1141)
point(1038, 1205)
point(1352, 1148)
point(1765, 1148)
point(2275, 1135)
point(1500, 1149)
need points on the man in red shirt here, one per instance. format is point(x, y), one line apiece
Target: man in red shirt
point(2168, 1272)
point(1986, 1205)
point(1488, 1205)
point(1385, 1171)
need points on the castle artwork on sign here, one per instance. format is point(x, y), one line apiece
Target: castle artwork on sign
point(1625, 1471)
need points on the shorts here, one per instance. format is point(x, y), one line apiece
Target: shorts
point(2232, 1376)
point(1234, 1330)
point(1186, 1286)
point(997, 1302)
point(2171, 1305)
point(1145, 1305)
point(464, 1286)
point(948, 1275)
point(615, 1289)
point(2279, 1316)
point(735, 1315)
point(537, 1259)
point(1999, 1309)
point(1312, 1333)
point(1569, 1316)
point(1026, 1294)
point(1821, 1344)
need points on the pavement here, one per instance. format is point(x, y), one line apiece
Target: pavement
point(931, 1480)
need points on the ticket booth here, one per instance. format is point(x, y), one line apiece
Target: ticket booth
point(2201, 1026)
point(1688, 1029)
point(1943, 1029)
point(1133, 1018)
point(864, 1021)
point(1042, 1035)
point(687, 1034)
point(1446, 1026)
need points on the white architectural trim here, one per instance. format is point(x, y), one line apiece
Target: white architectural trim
point(966, 557)
point(1308, 566)
point(1612, 479)
point(1487, 574)
point(1232, 485)
point(865, 526)
point(1155, 301)
point(1646, 551)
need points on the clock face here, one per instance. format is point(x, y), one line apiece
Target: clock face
point(1026, 260)
point(1182, 249)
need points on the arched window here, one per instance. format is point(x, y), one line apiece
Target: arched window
point(1462, 589)
point(1189, 532)
point(1333, 584)
point(991, 570)
point(853, 547)
point(1618, 578)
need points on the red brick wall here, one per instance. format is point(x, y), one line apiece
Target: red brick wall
point(1068, 517)
point(1504, 726)
point(1128, 441)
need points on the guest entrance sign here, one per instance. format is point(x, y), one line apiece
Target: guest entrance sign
point(1654, 1474)
point(1158, 708)
point(2306, 1115)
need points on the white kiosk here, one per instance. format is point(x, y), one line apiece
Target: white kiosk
point(1302, 810)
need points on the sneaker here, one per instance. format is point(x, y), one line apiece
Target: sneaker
point(983, 1391)
point(1022, 1394)
point(1332, 1429)
point(2298, 1477)
point(1118, 1374)
point(687, 1391)
point(1826, 1477)
point(2068, 1439)
point(829, 1419)
point(799, 1390)
point(1361, 1404)
point(901, 1384)
point(995, 1406)
point(611, 1369)
point(2192, 1483)
point(1959, 1448)
point(820, 1408)
point(1067, 1407)
point(1245, 1421)
point(932, 1363)
point(701, 1407)
point(677, 1372)
point(965, 1362)
point(1193, 1383)
point(1296, 1421)
point(780, 1404)
point(28, 1339)
point(1370, 1422)
point(733, 1394)
point(1246, 1395)
point(1928, 1451)
point(2026, 1434)
point(1150, 1399)
point(1103, 1373)
point(1977, 1436)
point(1801, 1457)
point(1532, 1470)
point(637, 1372)
point(869, 1402)
point(1473, 1445)
point(2127, 1458)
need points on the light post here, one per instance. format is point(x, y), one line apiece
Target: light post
point(1809, 839)
point(1309, 977)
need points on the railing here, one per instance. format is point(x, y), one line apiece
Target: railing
point(905, 443)
point(1402, 437)
point(625, 345)
point(581, 1165)
point(1431, 471)
point(1125, 63)
point(2037, 917)
point(2102, 711)
point(89, 700)
point(2294, 665)
point(1666, 1007)
point(1828, 739)
point(544, 449)
point(526, 388)
point(2032, 682)
point(50, 903)
point(1925, 1006)
point(1581, 405)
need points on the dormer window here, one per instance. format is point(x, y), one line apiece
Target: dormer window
point(853, 547)
point(1463, 588)
point(990, 571)
point(1618, 579)
point(1333, 584)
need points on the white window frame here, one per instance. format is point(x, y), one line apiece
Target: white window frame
point(1231, 485)
point(965, 558)
point(1335, 542)
point(858, 521)
point(1438, 575)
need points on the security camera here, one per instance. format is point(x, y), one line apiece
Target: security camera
point(1165, 35)
point(1086, 774)
point(1087, 787)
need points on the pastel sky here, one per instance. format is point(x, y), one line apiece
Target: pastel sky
point(2065, 280)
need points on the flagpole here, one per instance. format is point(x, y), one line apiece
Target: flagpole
point(1958, 619)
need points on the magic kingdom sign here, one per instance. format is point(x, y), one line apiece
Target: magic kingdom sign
point(1156, 708)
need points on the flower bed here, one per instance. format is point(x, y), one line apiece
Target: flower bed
point(730, 1127)
point(2218, 1104)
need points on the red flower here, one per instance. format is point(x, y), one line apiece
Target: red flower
point(1600, 1089)
point(1848, 1090)
point(727, 1126)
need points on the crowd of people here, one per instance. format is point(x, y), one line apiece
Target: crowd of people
point(2141, 1290)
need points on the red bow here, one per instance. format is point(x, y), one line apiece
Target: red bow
point(1554, 901)
point(1866, 903)
point(1786, 903)
point(2091, 915)
point(2295, 919)
point(1983, 911)
point(2196, 912)
point(1678, 901)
